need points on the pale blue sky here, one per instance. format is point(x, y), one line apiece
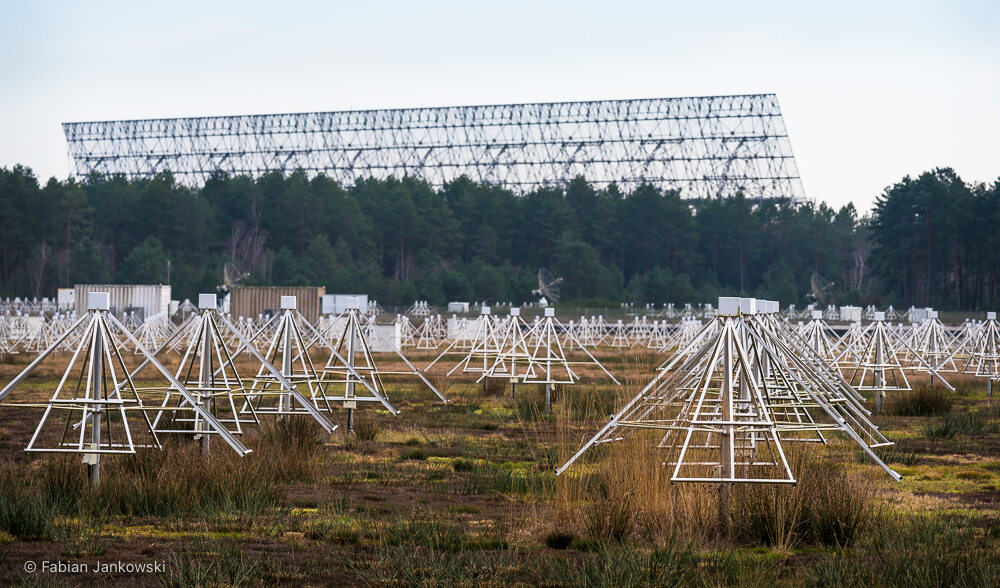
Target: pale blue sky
point(870, 90)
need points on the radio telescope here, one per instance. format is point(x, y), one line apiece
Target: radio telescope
point(819, 288)
point(232, 275)
point(548, 288)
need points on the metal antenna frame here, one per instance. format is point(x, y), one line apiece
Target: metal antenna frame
point(880, 358)
point(935, 344)
point(247, 346)
point(287, 339)
point(723, 400)
point(351, 319)
point(485, 346)
point(216, 389)
point(513, 350)
point(818, 335)
point(984, 354)
point(702, 147)
point(548, 353)
point(102, 352)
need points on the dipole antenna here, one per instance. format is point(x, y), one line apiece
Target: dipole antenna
point(514, 353)
point(208, 370)
point(880, 369)
point(714, 414)
point(548, 363)
point(984, 358)
point(96, 406)
point(275, 388)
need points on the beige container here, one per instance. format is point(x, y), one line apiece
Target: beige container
point(251, 301)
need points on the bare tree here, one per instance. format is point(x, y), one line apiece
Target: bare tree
point(38, 269)
point(246, 246)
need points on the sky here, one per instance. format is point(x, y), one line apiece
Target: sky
point(870, 91)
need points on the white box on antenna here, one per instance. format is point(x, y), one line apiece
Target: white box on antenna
point(98, 301)
point(208, 301)
point(729, 306)
point(288, 303)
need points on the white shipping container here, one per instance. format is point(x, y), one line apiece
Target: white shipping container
point(388, 338)
point(338, 303)
point(459, 307)
point(151, 299)
point(850, 314)
point(66, 298)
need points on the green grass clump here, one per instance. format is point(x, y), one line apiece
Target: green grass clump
point(415, 454)
point(959, 423)
point(436, 534)
point(180, 482)
point(612, 520)
point(507, 478)
point(206, 563)
point(913, 551)
point(625, 566)
point(401, 565)
point(922, 401)
point(828, 506)
point(24, 513)
point(366, 430)
point(559, 539)
point(464, 465)
point(893, 455)
point(337, 532)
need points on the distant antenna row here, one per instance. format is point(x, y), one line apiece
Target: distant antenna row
point(733, 390)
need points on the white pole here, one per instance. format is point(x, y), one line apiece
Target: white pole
point(204, 396)
point(96, 394)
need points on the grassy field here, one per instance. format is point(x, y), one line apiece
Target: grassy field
point(463, 494)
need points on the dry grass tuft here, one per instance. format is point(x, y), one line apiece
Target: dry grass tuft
point(289, 448)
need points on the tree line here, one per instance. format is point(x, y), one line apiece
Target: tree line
point(929, 240)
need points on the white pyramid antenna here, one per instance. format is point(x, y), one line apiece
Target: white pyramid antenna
point(548, 363)
point(99, 402)
point(820, 337)
point(514, 359)
point(297, 369)
point(934, 344)
point(344, 369)
point(714, 410)
point(984, 356)
point(880, 369)
point(275, 382)
point(484, 350)
point(208, 370)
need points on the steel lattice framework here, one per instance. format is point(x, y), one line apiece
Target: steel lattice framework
point(702, 146)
